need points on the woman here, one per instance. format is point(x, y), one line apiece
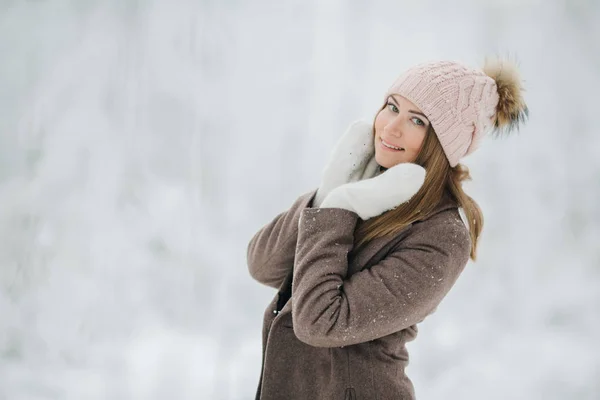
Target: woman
point(361, 260)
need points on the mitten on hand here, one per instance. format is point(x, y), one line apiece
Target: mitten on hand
point(372, 197)
point(352, 159)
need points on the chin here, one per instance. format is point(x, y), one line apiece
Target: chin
point(387, 163)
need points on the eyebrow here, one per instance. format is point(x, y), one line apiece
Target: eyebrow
point(411, 111)
point(419, 113)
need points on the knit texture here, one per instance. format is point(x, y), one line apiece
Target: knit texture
point(460, 103)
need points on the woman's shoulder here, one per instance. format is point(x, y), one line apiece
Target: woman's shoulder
point(445, 213)
point(443, 229)
point(444, 222)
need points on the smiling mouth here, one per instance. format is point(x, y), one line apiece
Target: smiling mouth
point(388, 146)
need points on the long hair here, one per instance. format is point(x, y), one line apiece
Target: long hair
point(440, 179)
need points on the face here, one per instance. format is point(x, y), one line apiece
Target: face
point(402, 125)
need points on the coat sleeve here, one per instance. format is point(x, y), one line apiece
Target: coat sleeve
point(330, 309)
point(270, 252)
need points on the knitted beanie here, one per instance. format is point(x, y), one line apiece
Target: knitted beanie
point(462, 103)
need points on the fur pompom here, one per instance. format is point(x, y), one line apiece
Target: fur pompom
point(511, 110)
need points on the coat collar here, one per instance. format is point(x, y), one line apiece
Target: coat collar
point(368, 252)
point(376, 245)
point(446, 203)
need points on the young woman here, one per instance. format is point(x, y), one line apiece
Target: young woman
point(361, 260)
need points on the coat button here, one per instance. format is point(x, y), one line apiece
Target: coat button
point(275, 312)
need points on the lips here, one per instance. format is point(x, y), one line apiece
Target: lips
point(384, 143)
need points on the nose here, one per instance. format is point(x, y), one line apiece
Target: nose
point(394, 127)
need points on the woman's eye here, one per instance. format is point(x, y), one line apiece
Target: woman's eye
point(393, 107)
point(417, 121)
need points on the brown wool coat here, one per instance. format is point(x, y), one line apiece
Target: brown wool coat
point(338, 325)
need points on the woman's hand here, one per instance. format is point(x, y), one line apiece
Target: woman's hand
point(352, 159)
point(372, 197)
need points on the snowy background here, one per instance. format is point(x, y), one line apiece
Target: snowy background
point(142, 143)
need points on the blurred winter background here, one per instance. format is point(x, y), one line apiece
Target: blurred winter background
point(142, 143)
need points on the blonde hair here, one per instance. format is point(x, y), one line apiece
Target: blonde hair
point(440, 179)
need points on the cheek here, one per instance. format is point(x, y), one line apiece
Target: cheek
point(380, 122)
point(415, 140)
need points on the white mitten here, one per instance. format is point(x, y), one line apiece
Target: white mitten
point(372, 197)
point(352, 159)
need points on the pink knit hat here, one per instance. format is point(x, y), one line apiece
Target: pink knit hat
point(463, 103)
